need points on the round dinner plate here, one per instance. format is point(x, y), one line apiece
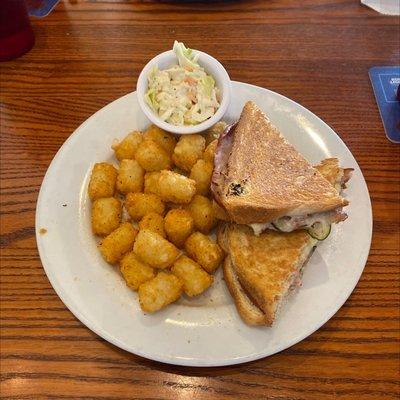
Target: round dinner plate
point(206, 331)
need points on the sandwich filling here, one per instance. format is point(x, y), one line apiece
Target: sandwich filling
point(291, 223)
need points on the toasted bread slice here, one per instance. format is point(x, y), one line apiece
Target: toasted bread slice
point(260, 269)
point(249, 312)
point(259, 176)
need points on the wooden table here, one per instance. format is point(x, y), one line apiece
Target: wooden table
point(87, 54)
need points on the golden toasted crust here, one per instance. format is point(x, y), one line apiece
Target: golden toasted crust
point(278, 180)
point(222, 237)
point(248, 311)
point(330, 170)
point(265, 264)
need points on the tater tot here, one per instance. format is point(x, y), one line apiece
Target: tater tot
point(130, 177)
point(125, 150)
point(209, 152)
point(153, 222)
point(134, 271)
point(195, 279)
point(201, 173)
point(163, 138)
point(106, 215)
point(152, 157)
point(175, 188)
point(118, 242)
point(188, 150)
point(140, 204)
point(215, 131)
point(157, 293)
point(102, 181)
point(154, 250)
point(204, 251)
point(151, 182)
point(178, 225)
point(202, 212)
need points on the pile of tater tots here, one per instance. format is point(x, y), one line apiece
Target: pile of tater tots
point(163, 249)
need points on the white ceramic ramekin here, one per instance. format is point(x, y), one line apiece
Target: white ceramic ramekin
point(211, 66)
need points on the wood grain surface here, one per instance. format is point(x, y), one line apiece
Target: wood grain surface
point(87, 54)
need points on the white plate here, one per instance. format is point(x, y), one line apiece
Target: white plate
point(206, 331)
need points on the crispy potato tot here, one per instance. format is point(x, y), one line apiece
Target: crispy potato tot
point(174, 188)
point(188, 150)
point(102, 181)
point(215, 131)
point(201, 173)
point(178, 225)
point(166, 140)
point(154, 250)
point(202, 212)
point(195, 279)
point(151, 182)
point(209, 152)
point(125, 150)
point(204, 251)
point(118, 242)
point(106, 215)
point(130, 177)
point(152, 157)
point(140, 204)
point(153, 222)
point(157, 293)
point(134, 271)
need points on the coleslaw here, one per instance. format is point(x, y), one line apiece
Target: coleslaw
point(183, 94)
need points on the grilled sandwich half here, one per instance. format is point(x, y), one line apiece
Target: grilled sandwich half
point(261, 180)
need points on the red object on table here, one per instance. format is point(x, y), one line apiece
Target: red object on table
point(16, 35)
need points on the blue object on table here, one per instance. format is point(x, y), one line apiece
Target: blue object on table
point(41, 8)
point(385, 82)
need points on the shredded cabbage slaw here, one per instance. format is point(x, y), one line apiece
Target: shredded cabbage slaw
point(183, 94)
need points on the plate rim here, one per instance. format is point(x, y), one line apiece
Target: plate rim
point(180, 361)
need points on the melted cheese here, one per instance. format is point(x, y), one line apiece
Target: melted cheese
point(259, 228)
point(295, 222)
